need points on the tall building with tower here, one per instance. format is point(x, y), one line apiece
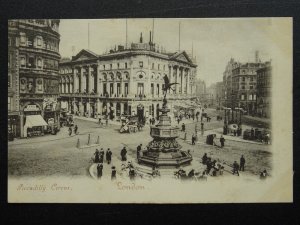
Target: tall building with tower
point(33, 57)
point(125, 80)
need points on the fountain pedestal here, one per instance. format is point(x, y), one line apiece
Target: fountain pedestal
point(164, 150)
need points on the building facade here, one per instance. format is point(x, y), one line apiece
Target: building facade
point(125, 81)
point(201, 90)
point(33, 48)
point(244, 80)
point(264, 91)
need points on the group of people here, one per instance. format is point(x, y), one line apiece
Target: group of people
point(239, 167)
point(75, 130)
point(99, 155)
point(212, 166)
point(100, 171)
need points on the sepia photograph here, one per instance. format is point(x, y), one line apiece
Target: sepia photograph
point(150, 110)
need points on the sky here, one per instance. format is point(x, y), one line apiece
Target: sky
point(214, 41)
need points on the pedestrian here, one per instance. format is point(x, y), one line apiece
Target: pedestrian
point(204, 158)
point(99, 170)
point(108, 156)
point(76, 129)
point(191, 174)
point(236, 168)
point(70, 131)
point(222, 141)
point(131, 174)
point(101, 153)
point(178, 120)
point(234, 132)
point(138, 149)
point(202, 129)
point(193, 139)
point(123, 154)
point(183, 127)
point(242, 163)
point(97, 156)
point(252, 133)
point(113, 173)
point(99, 120)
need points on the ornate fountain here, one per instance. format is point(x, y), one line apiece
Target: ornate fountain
point(164, 150)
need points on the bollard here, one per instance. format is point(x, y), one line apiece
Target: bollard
point(97, 142)
point(78, 143)
point(89, 138)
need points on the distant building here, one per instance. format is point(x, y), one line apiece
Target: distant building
point(219, 93)
point(227, 82)
point(125, 81)
point(264, 90)
point(201, 90)
point(33, 56)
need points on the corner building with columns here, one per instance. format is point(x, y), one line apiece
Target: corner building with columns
point(125, 81)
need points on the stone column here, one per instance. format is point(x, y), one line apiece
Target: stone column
point(131, 91)
point(99, 107)
point(121, 108)
point(176, 81)
point(188, 83)
point(82, 80)
point(121, 88)
point(22, 125)
point(171, 77)
point(81, 108)
point(91, 79)
point(180, 75)
point(115, 87)
point(115, 109)
point(88, 108)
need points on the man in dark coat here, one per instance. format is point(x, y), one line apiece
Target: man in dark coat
point(113, 173)
point(99, 170)
point(222, 141)
point(97, 156)
point(242, 163)
point(204, 159)
point(252, 133)
point(123, 154)
point(101, 153)
point(138, 149)
point(235, 168)
point(75, 129)
point(183, 127)
point(193, 139)
point(108, 156)
point(131, 174)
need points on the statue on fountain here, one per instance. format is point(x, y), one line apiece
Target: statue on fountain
point(167, 87)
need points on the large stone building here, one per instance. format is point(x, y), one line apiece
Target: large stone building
point(125, 81)
point(264, 88)
point(33, 56)
point(240, 84)
point(201, 90)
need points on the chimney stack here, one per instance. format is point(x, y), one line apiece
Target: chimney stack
point(150, 38)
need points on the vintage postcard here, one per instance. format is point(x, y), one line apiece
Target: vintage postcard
point(150, 110)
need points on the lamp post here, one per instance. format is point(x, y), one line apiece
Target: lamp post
point(240, 122)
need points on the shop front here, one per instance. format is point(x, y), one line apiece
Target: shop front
point(34, 124)
point(13, 126)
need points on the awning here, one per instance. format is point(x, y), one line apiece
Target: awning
point(35, 121)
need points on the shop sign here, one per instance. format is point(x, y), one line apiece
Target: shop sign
point(29, 108)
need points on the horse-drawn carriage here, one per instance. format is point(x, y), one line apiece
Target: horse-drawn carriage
point(131, 124)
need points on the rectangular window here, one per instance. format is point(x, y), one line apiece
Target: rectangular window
point(9, 103)
point(251, 87)
point(22, 61)
point(157, 90)
point(111, 89)
point(164, 67)
point(125, 65)
point(126, 89)
point(251, 79)
point(152, 65)
point(104, 89)
point(254, 96)
point(39, 42)
point(140, 90)
point(152, 89)
point(111, 66)
point(242, 97)
point(22, 39)
point(118, 89)
point(9, 80)
point(141, 64)
point(250, 97)
point(244, 79)
point(103, 67)
point(118, 65)
point(243, 87)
